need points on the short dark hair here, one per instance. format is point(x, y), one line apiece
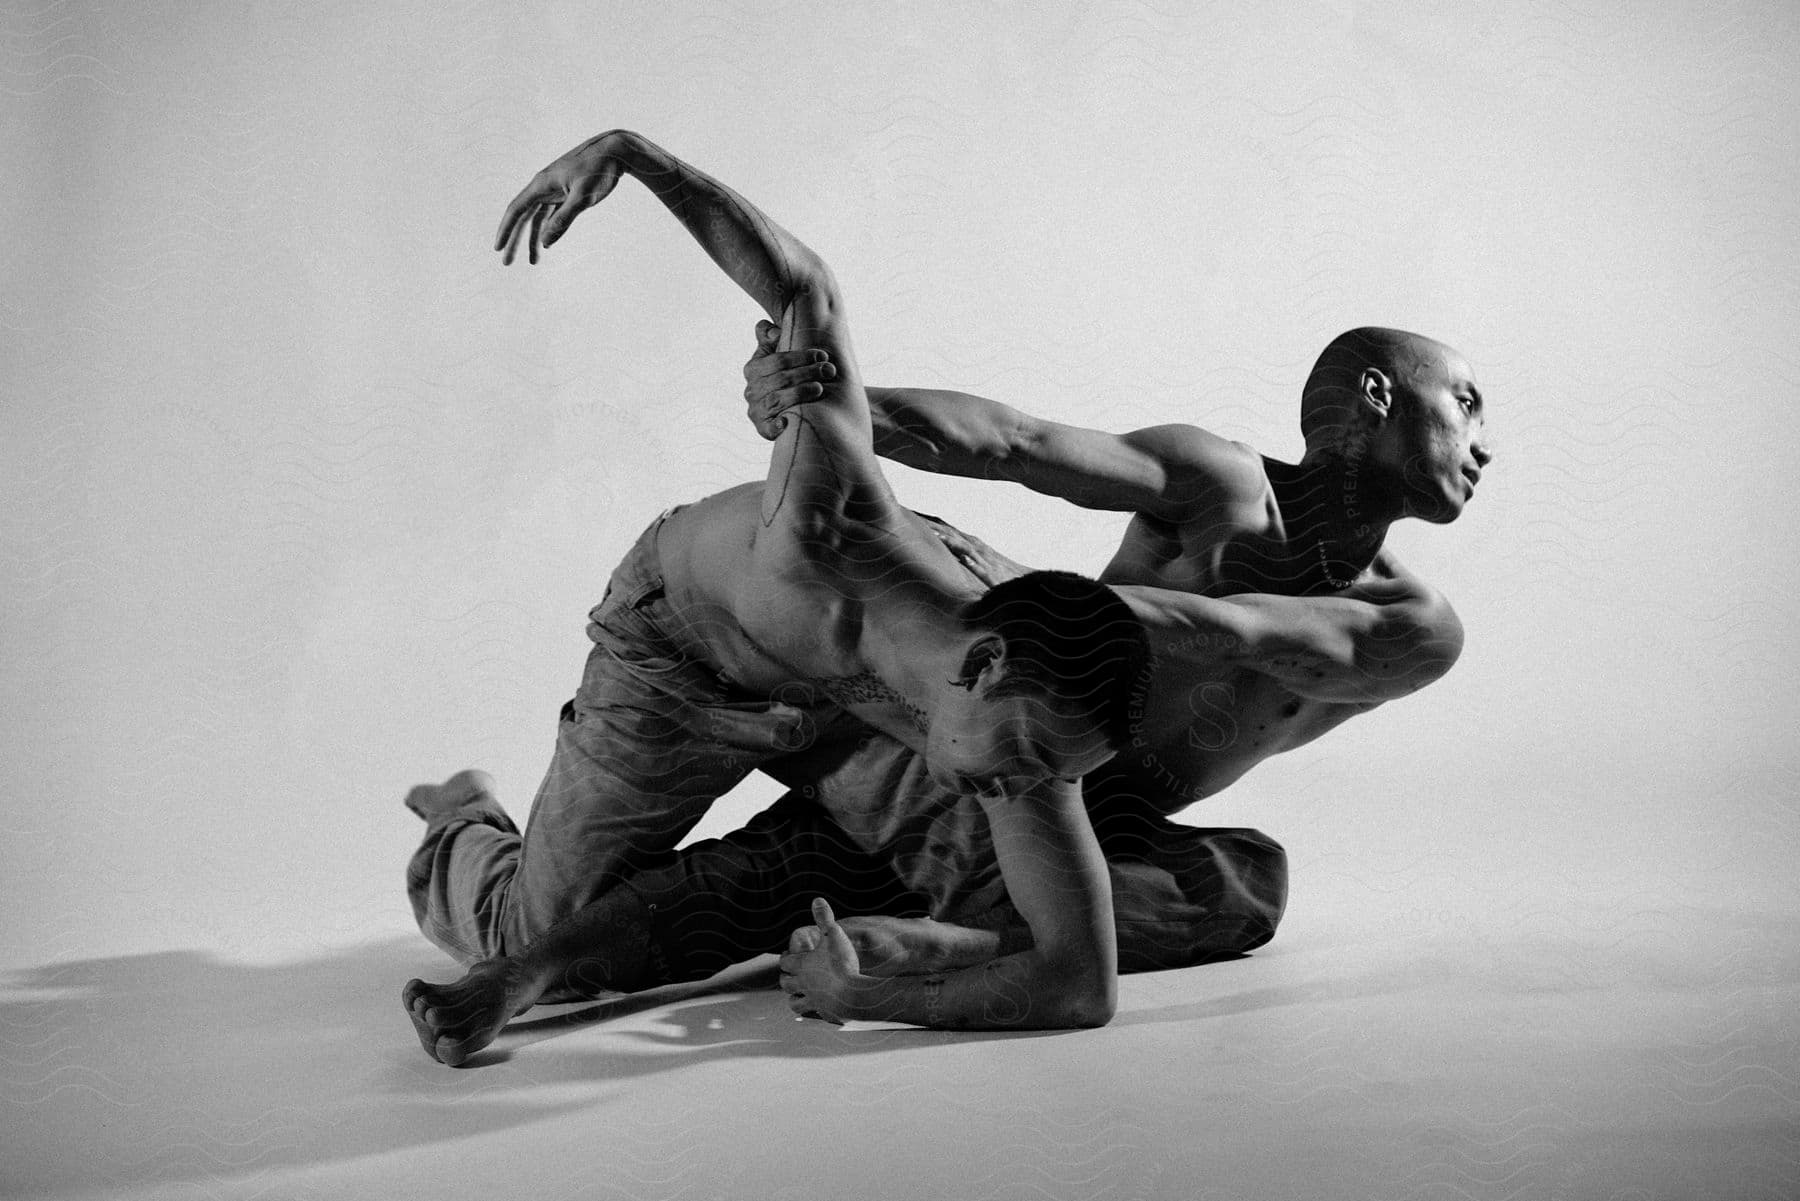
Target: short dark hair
point(1071, 637)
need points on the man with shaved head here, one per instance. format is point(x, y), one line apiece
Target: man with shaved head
point(1335, 393)
point(1275, 614)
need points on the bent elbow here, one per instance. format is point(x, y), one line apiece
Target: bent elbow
point(812, 286)
point(1090, 1014)
point(1452, 633)
point(1440, 639)
point(1426, 652)
point(814, 310)
point(1089, 1001)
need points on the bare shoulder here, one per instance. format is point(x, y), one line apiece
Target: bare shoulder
point(1201, 470)
point(1417, 601)
point(1398, 580)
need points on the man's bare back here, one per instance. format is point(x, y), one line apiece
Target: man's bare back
point(786, 619)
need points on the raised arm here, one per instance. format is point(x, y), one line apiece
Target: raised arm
point(1375, 642)
point(824, 461)
point(760, 257)
point(1167, 471)
point(1170, 472)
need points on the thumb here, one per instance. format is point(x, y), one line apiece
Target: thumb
point(835, 939)
point(766, 334)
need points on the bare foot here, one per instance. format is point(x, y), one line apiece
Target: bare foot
point(434, 800)
point(454, 1021)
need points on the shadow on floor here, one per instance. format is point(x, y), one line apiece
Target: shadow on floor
point(182, 1067)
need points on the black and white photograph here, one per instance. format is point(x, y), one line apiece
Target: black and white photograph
point(1093, 601)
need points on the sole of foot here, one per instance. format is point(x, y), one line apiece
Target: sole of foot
point(454, 1021)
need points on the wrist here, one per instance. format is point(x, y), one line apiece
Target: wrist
point(861, 999)
point(949, 948)
point(623, 146)
point(934, 1001)
point(917, 1000)
point(966, 946)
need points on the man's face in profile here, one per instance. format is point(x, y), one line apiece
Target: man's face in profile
point(1436, 434)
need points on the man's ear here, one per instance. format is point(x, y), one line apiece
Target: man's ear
point(982, 662)
point(1376, 391)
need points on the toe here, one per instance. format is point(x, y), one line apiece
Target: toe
point(451, 1051)
point(428, 1037)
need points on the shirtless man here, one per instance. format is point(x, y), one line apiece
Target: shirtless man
point(1319, 623)
point(745, 626)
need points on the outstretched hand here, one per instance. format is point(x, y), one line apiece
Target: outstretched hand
point(577, 181)
point(820, 972)
point(777, 380)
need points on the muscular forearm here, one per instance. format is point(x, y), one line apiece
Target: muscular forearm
point(1164, 471)
point(1348, 649)
point(1023, 991)
point(1339, 649)
point(1056, 878)
point(762, 258)
point(949, 433)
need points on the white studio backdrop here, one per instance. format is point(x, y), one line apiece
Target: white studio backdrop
point(305, 496)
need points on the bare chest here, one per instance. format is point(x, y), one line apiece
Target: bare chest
point(1245, 550)
point(1199, 732)
point(1201, 729)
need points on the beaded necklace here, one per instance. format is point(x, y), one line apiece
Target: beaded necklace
point(1337, 585)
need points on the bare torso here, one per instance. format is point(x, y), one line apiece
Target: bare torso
point(798, 627)
point(1201, 730)
point(777, 626)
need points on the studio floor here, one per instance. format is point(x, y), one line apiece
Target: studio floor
point(1560, 1047)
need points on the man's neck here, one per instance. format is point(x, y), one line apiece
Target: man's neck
point(916, 657)
point(1334, 512)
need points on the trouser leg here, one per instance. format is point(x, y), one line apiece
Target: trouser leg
point(724, 900)
point(457, 880)
point(650, 741)
point(623, 787)
point(1183, 895)
point(1180, 895)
